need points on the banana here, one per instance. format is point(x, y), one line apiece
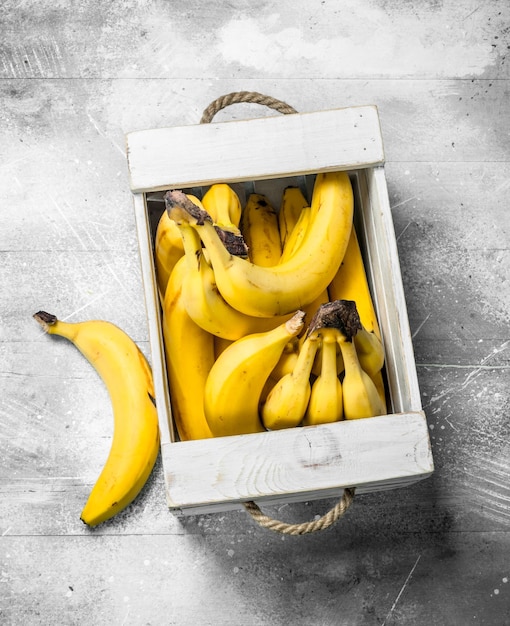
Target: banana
point(293, 202)
point(370, 351)
point(219, 345)
point(223, 205)
point(378, 381)
point(296, 235)
point(259, 227)
point(286, 403)
point(326, 398)
point(350, 283)
point(128, 379)
point(189, 353)
point(168, 249)
point(286, 287)
point(360, 395)
point(204, 303)
point(287, 361)
point(237, 378)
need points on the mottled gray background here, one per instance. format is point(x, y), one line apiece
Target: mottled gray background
point(75, 77)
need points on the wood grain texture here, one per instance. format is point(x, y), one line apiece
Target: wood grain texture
point(298, 464)
point(74, 82)
point(271, 147)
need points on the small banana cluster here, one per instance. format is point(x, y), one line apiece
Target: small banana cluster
point(267, 317)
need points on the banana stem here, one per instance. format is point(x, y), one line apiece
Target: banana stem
point(295, 323)
point(45, 319)
point(306, 356)
point(53, 326)
point(329, 361)
point(370, 350)
point(339, 314)
point(182, 210)
point(350, 356)
point(192, 245)
point(185, 212)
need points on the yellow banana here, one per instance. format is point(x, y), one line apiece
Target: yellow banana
point(237, 378)
point(128, 379)
point(378, 381)
point(370, 351)
point(189, 353)
point(326, 402)
point(204, 303)
point(286, 287)
point(259, 227)
point(286, 403)
point(350, 283)
point(287, 361)
point(223, 205)
point(168, 249)
point(219, 345)
point(293, 201)
point(361, 398)
point(297, 235)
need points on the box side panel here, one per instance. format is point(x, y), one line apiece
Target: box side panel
point(158, 362)
point(290, 498)
point(254, 149)
point(383, 269)
point(303, 463)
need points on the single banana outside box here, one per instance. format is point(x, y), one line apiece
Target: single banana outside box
point(128, 378)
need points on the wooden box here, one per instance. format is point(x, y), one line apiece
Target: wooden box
point(298, 464)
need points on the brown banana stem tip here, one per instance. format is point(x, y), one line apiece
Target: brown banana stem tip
point(233, 242)
point(181, 209)
point(341, 314)
point(45, 319)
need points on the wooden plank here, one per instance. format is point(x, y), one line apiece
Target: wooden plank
point(383, 270)
point(154, 320)
point(268, 147)
point(311, 461)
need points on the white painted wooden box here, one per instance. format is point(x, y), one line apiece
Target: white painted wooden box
point(298, 464)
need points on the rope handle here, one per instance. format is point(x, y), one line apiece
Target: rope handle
point(237, 97)
point(329, 518)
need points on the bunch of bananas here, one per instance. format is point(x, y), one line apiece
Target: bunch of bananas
point(259, 333)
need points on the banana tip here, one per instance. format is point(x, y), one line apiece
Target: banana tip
point(45, 319)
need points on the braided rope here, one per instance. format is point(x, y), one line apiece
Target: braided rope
point(236, 97)
point(329, 518)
